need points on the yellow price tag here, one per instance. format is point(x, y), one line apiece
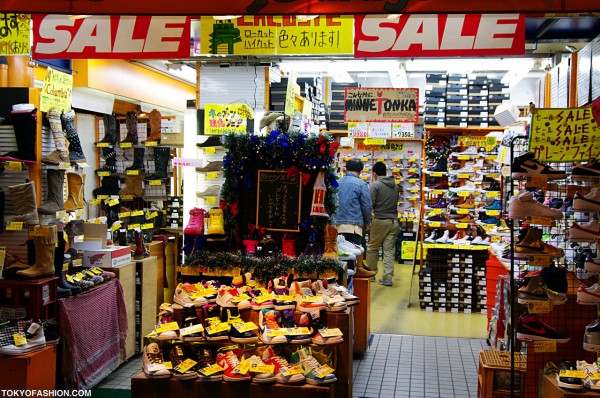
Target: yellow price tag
point(323, 371)
point(492, 212)
point(103, 173)
point(539, 261)
point(285, 298)
point(380, 159)
point(211, 175)
point(117, 225)
point(113, 202)
point(19, 339)
point(262, 368)
point(492, 194)
point(464, 176)
point(126, 145)
point(545, 221)
point(243, 367)
point(97, 271)
point(374, 141)
point(545, 346)
point(310, 299)
point(133, 172)
point(541, 307)
point(241, 297)
point(79, 276)
point(211, 200)
point(14, 166)
point(147, 226)
point(294, 370)
point(246, 327)
point(595, 376)
point(464, 194)
point(102, 144)
point(220, 327)
point(137, 213)
point(435, 224)
point(297, 331)
point(151, 215)
point(462, 225)
point(262, 298)
point(151, 143)
point(132, 226)
point(462, 211)
point(90, 273)
point(191, 330)
point(14, 226)
point(437, 192)
point(41, 231)
point(95, 201)
point(436, 211)
point(395, 170)
point(125, 214)
point(126, 197)
point(577, 374)
point(211, 370)
point(464, 157)
point(437, 174)
point(185, 366)
point(276, 332)
point(69, 278)
point(331, 332)
point(210, 150)
point(537, 181)
point(167, 327)
point(155, 183)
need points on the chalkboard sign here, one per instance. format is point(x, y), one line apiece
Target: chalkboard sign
point(278, 201)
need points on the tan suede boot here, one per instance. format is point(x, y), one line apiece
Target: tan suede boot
point(44, 240)
point(362, 270)
point(134, 185)
point(24, 202)
point(155, 126)
point(331, 249)
point(75, 188)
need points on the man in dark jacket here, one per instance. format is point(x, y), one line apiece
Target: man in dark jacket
point(385, 226)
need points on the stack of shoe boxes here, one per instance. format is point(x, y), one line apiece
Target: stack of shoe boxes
point(336, 113)
point(175, 211)
point(498, 93)
point(478, 101)
point(454, 281)
point(277, 92)
point(456, 100)
point(435, 99)
point(311, 88)
point(323, 116)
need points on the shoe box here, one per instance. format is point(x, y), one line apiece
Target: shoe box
point(458, 78)
point(477, 101)
point(498, 98)
point(107, 258)
point(436, 92)
point(478, 90)
point(499, 88)
point(457, 89)
point(435, 80)
point(478, 111)
point(457, 99)
point(434, 111)
point(478, 122)
point(456, 121)
point(457, 110)
point(435, 121)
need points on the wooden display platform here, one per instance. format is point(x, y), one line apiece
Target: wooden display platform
point(34, 371)
point(362, 315)
point(549, 389)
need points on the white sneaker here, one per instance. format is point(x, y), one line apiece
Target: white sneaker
point(304, 297)
point(469, 186)
point(444, 238)
point(182, 297)
point(153, 362)
point(590, 369)
point(588, 232)
point(477, 241)
point(466, 169)
point(523, 204)
point(260, 378)
point(36, 342)
point(333, 300)
point(431, 237)
point(588, 295)
point(347, 247)
point(589, 202)
point(411, 187)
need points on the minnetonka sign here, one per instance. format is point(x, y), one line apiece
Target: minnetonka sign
point(122, 37)
point(381, 105)
point(420, 35)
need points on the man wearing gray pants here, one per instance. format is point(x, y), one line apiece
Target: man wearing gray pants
point(385, 226)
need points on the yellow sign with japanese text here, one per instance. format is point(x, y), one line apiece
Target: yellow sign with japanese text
point(278, 35)
point(224, 118)
point(57, 92)
point(564, 135)
point(14, 34)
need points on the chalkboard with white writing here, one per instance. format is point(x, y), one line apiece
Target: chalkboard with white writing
point(278, 201)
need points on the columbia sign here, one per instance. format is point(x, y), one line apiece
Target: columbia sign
point(430, 35)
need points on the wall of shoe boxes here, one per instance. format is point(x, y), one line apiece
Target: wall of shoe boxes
point(463, 100)
point(454, 281)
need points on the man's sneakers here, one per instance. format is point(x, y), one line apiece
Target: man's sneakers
point(184, 294)
point(333, 300)
point(312, 320)
point(190, 320)
point(305, 298)
point(314, 372)
point(268, 326)
point(229, 361)
point(527, 165)
point(586, 171)
point(204, 367)
point(284, 373)
point(524, 204)
point(591, 337)
point(591, 369)
point(535, 291)
point(282, 300)
point(531, 328)
point(587, 203)
point(332, 285)
point(237, 333)
point(31, 332)
point(259, 377)
point(585, 232)
point(566, 381)
point(177, 355)
point(231, 297)
point(153, 362)
point(588, 295)
point(213, 329)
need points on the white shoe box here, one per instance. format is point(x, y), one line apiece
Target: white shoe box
point(107, 258)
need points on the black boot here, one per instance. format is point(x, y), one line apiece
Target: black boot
point(110, 130)
point(59, 258)
point(112, 214)
point(110, 160)
point(2, 196)
point(25, 125)
point(55, 200)
point(109, 186)
point(131, 124)
point(161, 162)
point(441, 165)
point(75, 151)
point(138, 159)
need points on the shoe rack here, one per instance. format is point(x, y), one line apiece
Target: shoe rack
point(209, 175)
point(561, 264)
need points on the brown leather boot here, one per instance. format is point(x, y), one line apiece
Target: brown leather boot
point(24, 202)
point(131, 124)
point(155, 125)
point(362, 271)
point(140, 249)
point(331, 249)
point(44, 240)
point(134, 185)
point(75, 188)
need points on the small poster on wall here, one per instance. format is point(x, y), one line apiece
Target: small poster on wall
point(400, 105)
point(224, 118)
point(57, 92)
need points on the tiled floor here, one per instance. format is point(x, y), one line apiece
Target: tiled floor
point(395, 366)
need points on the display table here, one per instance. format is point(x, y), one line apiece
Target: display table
point(549, 389)
point(33, 371)
point(362, 317)
point(93, 326)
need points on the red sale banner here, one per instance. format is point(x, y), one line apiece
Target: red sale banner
point(123, 37)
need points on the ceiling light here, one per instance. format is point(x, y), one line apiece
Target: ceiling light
point(77, 16)
point(225, 17)
point(305, 18)
point(571, 49)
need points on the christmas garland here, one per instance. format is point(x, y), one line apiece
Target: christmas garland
point(266, 268)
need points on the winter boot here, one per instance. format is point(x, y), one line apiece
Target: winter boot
point(75, 151)
point(215, 222)
point(138, 159)
point(441, 165)
point(2, 199)
point(331, 249)
point(24, 202)
point(75, 191)
point(109, 186)
point(59, 258)
point(54, 197)
point(110, 130)
point(140, 249)
point(131, 124)
point(45, 240)
point(110, 160)
point(155, 128)
point(196, 224)
point(288, 246)
point(361, 270)
point(161, 162)
point(134, 185)
point(61, 153)
point(25, 125)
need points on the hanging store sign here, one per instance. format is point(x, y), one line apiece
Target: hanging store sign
point(431, 35)
point(220, 119)
point(564, 135)
point(14, 34)
point(57, 91)
point(293, 7)
point(121, 37)
point(277, 35)
point(381, 105)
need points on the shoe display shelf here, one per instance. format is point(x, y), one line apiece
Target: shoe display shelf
point(146, 305)
point(209, 176)
point(142, 386)
point(35, 298)
point(549, 389)
point(554, 238)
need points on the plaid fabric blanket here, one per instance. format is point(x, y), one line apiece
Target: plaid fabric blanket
point(93, 328)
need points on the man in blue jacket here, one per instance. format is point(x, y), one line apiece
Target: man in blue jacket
point(354, 208)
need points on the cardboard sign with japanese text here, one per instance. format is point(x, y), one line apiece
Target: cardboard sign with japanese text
point(224, 118)
point(277, 35)
point(57, 91)
point(115, 36)
point(14, 34)
point(399, 105)
point(439, 35)
point(564, 135)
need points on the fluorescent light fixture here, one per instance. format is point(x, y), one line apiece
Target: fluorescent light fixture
point(77, 16)
point(225, 17)
point(305, 18)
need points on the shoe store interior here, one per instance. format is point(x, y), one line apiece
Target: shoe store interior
point(358, 205)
